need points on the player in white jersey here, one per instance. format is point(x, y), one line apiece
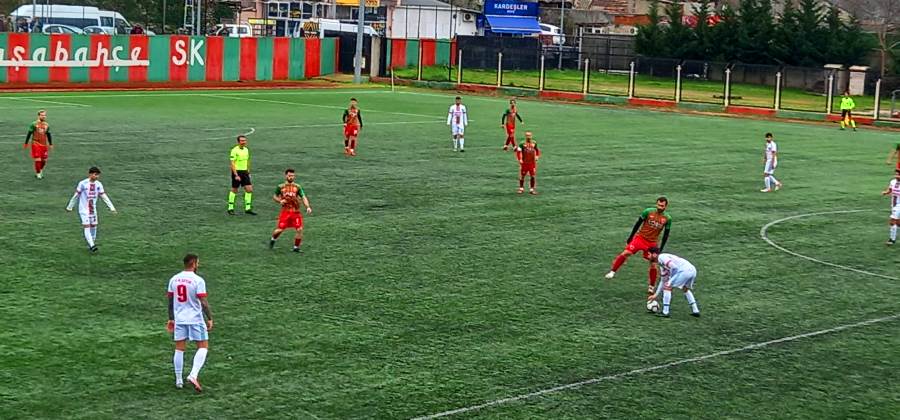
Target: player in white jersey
point(771, 161)
point(86, 193)
point(676, 272)
point(893, 190)
point(458, 119)
point(187, 308)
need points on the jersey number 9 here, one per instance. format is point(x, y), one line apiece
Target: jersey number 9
point(181, 291)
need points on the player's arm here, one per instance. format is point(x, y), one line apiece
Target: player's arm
point(359, 118)
point(108, 202)
point(518, 117)
point(72, 200)
point(665, 238)
point(537, 153)
point(503, 118)
point(277, 197)
point(450, 116)
point(170, 325)
point(519, 155)
point(232, 160)
point(637, 225)
point(49, 138)
point(306, 204)
point(346, 116)
point(28, 135)
point(465, 117)
point(206, 312)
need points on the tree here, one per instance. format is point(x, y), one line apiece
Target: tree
point(677, 37)
point(883, 16)
point(727, 34)
point(756, 31)
point(703, 43)
point(650, 37)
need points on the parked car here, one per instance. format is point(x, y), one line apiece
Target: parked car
point(551, 34)
point(55, 28)
point(74, 16)
point(233, 31)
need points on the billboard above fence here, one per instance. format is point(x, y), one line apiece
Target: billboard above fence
point(510, 8)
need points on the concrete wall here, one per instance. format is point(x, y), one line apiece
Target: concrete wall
point(428, 22)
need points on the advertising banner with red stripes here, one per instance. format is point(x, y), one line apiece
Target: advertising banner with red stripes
point(64, 58)
point(403, 53)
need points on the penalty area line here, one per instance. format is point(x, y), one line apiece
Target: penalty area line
point(749, 347)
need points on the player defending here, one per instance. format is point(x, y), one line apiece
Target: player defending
point(458, 119)
point(41, 143)
point(187, 308)
point(770, 159)
point(240, 176)
point(86, 193)
point(847, 106)
point(893, 190)
point(651, 222)
point(288, 195)
point(509, 122)
point(677, 272)
point(352, 124)
point(895, 155)
point(528, 154)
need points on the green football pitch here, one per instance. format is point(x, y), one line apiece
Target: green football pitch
point(426, 284)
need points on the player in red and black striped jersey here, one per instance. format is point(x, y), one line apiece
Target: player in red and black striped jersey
point(528, 154)
point(644, 236)
point(41, 143)
point(289, 194)
point(352, 124)
point(508, 121)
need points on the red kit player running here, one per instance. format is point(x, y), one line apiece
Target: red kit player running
point(41, 143)
point(528, 154)
point(644, 235)
point(508, 121)
point(352, 124)
point(289, 195)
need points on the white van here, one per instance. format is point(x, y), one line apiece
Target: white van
point(76, 16)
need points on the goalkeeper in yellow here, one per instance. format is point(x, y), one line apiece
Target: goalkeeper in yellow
point(847, 106)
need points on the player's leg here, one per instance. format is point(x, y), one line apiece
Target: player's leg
point(298, 239)
point(667, 297)
point(248, 195)
point(843, 119)
point(766, 178)
point(852, 121)
point(455, 138)
point(232, 194)
point(198, 334)
point(86, 222)
point(689, 296)
point(620, 260)
point(532, 182)
point(353, 141)
point(894, 223)
point(522, 172)
point(652, 275)
point(178, 363)
point(275, 234)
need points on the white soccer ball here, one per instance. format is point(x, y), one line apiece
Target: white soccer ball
point(652, 306)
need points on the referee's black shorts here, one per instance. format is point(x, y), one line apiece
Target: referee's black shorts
point(845, 113)
point(244, 182)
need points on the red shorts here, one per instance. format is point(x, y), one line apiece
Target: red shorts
point(38, 151)
point(290, 219)
point(640, 244)
point(510, 130)
point(351, 130)
point(527, 170)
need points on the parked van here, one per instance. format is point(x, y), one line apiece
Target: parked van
point(75, 16)
point(233, 31)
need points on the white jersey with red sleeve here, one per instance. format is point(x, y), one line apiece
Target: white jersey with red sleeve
point(186, 288)
point(457, 117)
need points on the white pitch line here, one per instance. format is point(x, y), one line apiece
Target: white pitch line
point(48, 102)
point(282, 127)
point(763, 233)
point(746, 348)
point(270, 101)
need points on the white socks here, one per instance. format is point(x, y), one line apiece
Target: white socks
point(89, 236)
point(455, 144)
point(199, 359)
point(691, 301)
point(667, 299)
point(178, 361)
point(768, 183)
point(773, 180)
point(462, 143)
point(894, 232)
point(94, 233)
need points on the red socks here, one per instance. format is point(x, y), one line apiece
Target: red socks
point(297, 242)
point(651, 279)
point(353, 144)
point(617, 263)
point(38, 166)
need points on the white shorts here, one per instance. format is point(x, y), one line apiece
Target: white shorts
point(192, 332)
point(89, 219)
point(770, 168)
point(457, 129)
point(683, 278)
point(895, 212)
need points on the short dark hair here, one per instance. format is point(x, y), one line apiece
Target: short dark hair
point(241, 137)
point(94, 170)
point(653, 250)
point(663, 199)
point(289, 171)
point(353, 99)
point(768, 135)
point(189, 259)
point(458, 97)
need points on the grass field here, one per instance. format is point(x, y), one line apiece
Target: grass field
point(700, 91)
point(426, 284)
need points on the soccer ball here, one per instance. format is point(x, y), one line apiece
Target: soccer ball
point(652, 306)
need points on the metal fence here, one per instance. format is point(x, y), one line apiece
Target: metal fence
point(608, 66)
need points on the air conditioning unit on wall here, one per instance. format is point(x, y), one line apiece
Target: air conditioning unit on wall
point(468, 17)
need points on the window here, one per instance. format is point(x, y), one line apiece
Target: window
point(107, 21)
point(76, 22)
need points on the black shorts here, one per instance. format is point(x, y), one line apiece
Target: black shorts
point(244, 182)
point(845, 113)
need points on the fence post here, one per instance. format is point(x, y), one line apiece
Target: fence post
point(587, 76)
point(727, 87)
point(778, 91)
point(631, 80)
point(877, 111)
point(541, 81)
point(830, 93)
point(459, 67)
point(499, 69)
point(419, 74)
point(678, 84)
